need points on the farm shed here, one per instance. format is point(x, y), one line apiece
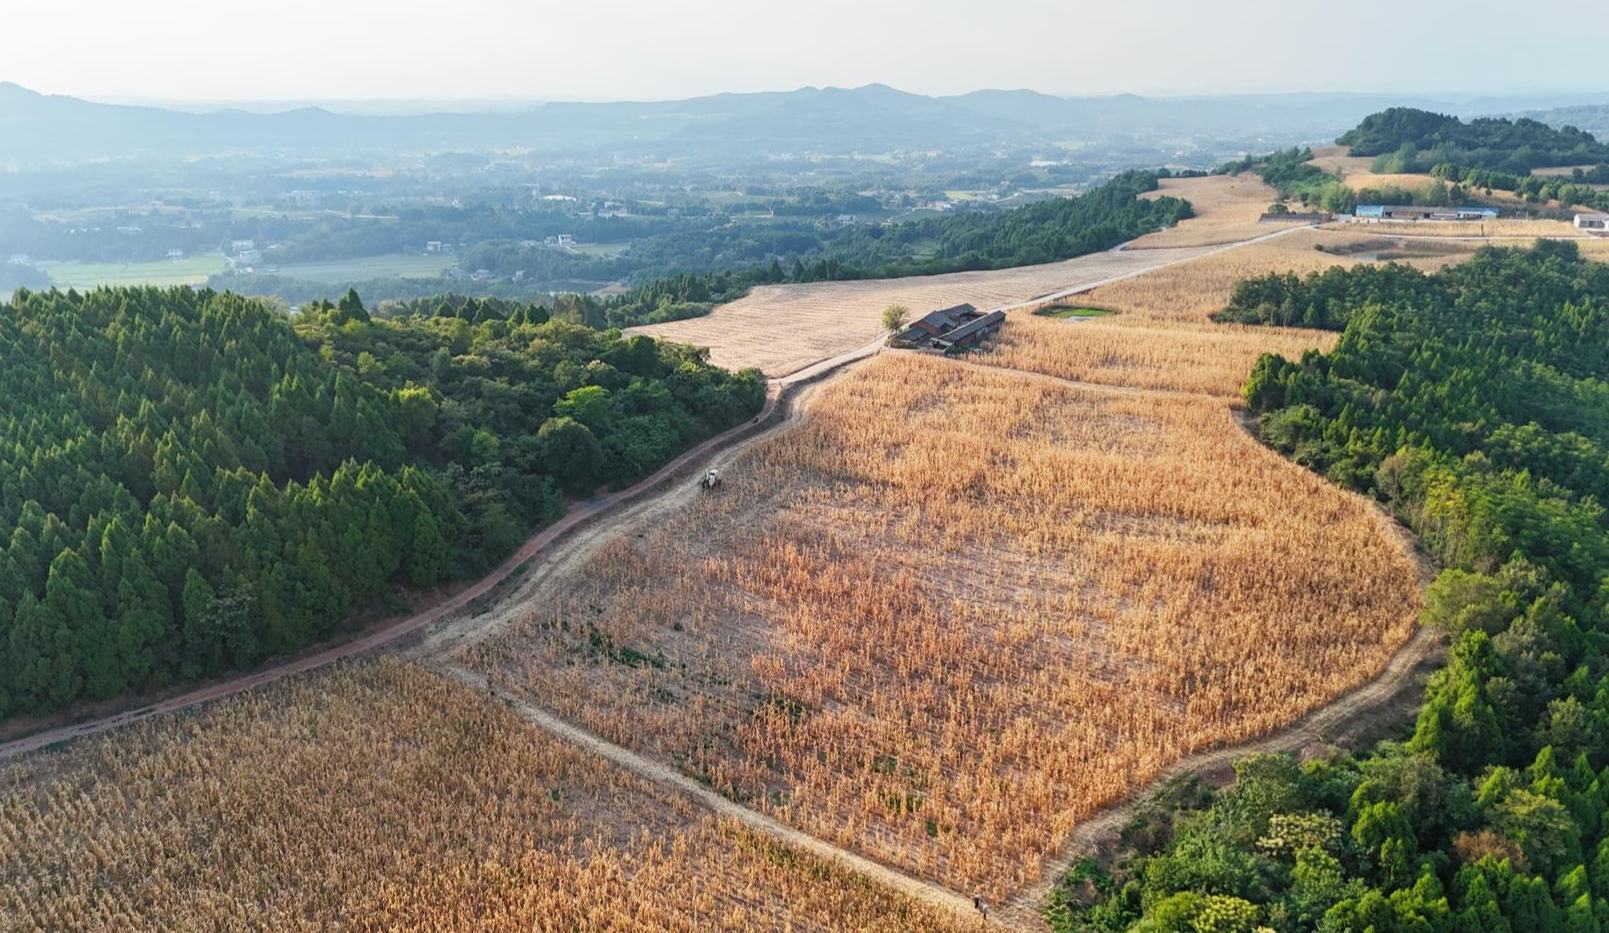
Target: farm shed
point(946, 328)
point(1592, 220)
point(1296, 217)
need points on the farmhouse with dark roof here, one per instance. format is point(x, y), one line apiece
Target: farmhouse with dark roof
point(951, 328)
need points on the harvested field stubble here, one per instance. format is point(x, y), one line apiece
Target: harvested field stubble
point(1111, 351)
point(1517, 228)
point(384, 797)
point(957, 609)
point(782, 328)
point(1227, 209)
point(1163, 336)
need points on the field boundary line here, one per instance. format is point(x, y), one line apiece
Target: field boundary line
point(667, 776)
point(1102, 830)
point(1363, 230)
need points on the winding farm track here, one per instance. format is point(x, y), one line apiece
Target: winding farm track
point(666, 776)
point(434, 634)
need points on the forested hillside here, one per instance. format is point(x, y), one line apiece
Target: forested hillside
point(1417, 140)
point(193, 483)
point(1473, 403)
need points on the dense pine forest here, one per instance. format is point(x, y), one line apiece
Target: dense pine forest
point(196, 482)
point(1474, 404)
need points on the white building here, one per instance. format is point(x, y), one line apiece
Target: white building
point(1592, 220)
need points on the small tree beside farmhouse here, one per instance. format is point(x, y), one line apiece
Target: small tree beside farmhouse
point(894, 317)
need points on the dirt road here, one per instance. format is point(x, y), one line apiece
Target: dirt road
point(666, 776)
point(452, 637)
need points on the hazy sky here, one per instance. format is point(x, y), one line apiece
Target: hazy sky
point(613, 49)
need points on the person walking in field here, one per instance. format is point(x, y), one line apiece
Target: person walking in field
point(981, 906)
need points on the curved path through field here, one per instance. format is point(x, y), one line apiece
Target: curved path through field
point(1349, 714)
point(667, 776)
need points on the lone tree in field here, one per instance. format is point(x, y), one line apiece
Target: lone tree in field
point(894, 317)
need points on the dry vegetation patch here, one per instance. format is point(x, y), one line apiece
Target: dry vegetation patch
point(383, 797)
point(1501, 228)
point(956, 609)
point(1163, 336)
point(1206, 361)
point(1227, 209)
point(783, 328)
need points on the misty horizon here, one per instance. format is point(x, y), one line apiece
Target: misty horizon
point(618, 51)
point(1466, 101)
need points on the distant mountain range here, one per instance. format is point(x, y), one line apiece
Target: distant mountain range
point(1593, 118)
point(38, 130)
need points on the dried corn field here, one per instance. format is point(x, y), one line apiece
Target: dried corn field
point(383, 797)
point(1501, 229)
point(957, 609)
point(1163, 336)
point(1227, 209)
point(783, 328)
point(1115, 352)
point(1189, 293)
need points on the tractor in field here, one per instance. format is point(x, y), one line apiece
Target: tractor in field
point(710, 480)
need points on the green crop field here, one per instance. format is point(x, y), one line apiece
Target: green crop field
point(394, 265)
point(192, 270)
point(601, 250)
